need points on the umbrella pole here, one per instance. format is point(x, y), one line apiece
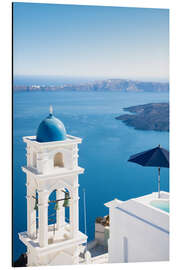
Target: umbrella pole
point(159, 182)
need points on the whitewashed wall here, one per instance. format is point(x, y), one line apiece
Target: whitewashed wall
point(142, 236)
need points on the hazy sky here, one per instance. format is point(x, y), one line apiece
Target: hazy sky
point(87, 41)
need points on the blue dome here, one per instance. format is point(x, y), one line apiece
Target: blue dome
point(51, 129)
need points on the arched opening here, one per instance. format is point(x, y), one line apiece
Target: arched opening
point(52, 215)
point(36, 218)
point(67, 206)
point(58, 160)
point(52, 208)
point(58, 214)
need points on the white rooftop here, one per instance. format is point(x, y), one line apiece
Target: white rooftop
point(141, 208)
point(69, 141)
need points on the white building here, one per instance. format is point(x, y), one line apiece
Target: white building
point(139, 229)
point(52, 165)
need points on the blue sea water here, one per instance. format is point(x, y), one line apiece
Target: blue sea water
point(107, 144)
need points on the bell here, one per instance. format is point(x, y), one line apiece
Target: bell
point(56, 207)
point(36, 205)
point(66, 200)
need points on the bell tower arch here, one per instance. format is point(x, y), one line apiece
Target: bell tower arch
point(58, 160)
point(52, 165)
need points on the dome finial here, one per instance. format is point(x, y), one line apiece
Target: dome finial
point(50, 110)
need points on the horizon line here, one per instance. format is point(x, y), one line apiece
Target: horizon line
point(150, 79)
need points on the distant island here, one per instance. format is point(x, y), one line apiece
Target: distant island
point(101, 85)
point(153, 116)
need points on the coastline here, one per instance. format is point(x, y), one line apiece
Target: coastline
point(152, 116)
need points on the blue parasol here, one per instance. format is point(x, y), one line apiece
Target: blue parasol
point(156, 157)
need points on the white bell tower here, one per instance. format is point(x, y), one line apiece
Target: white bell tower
point(52, 165)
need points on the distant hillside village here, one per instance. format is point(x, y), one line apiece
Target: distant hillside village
point(101, 85)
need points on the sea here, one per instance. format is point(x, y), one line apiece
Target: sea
point(106, 146)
